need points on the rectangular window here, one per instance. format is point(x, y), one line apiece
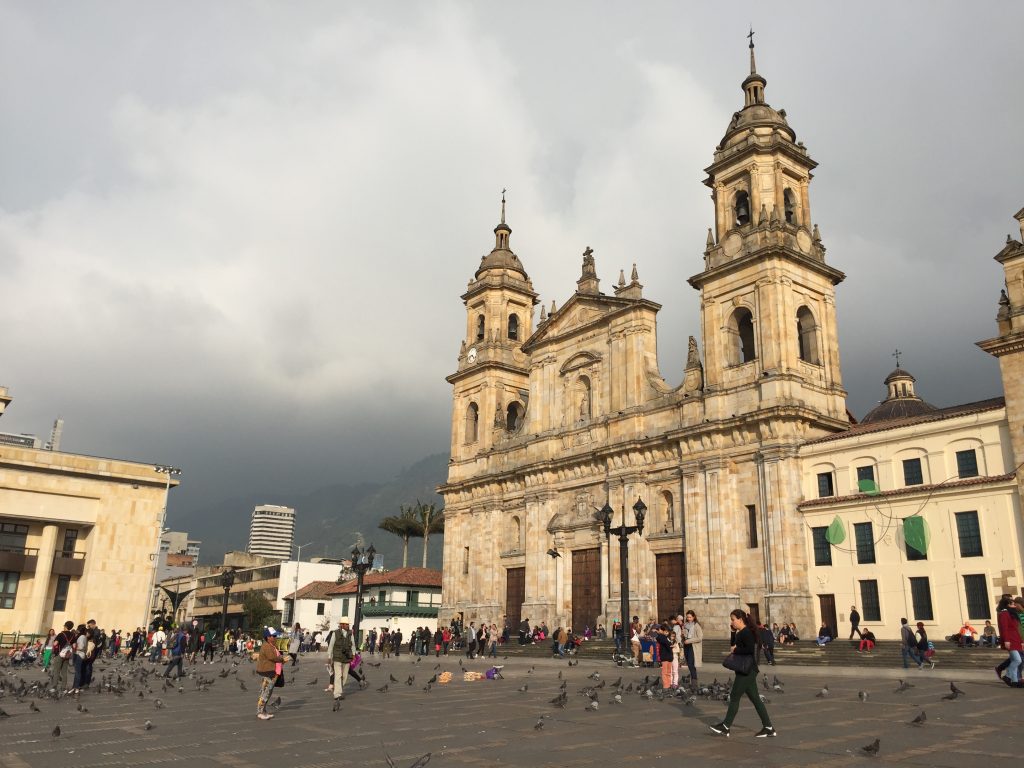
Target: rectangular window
point(921, 596)
point(60, 597)
point(752, 526)
point(381, 596)
point(825, 486)
point(969, 533)
point(912, 472)
point(465, 559)
point(13, 537)
point(967, 463)
point(413, 597)
point(344, 606)
point(319, 609)
point(870, 609)
point(822, 549)
point(70, 539)
point(865, 473)
point(864, 535)
point(978, 606)
point(8, 588)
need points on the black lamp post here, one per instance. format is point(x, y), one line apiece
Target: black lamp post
point(362, 561)
point(227, 581)
point(623, 531)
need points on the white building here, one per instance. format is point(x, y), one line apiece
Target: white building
point(311, 606)
point(403, 599)
point(272, 531)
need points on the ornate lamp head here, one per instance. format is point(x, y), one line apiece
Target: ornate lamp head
point(606, 517)
point(640, 510)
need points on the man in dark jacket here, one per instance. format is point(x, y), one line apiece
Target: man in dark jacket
point(341, 657)
point(854, 621)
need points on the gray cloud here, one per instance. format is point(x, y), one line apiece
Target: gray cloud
point(234, 238)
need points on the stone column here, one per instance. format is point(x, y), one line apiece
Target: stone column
point(40, 606)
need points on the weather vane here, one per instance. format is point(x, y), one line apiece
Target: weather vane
point(897, 354)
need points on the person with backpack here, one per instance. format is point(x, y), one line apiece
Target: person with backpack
point(63, 648)
point(177, 648)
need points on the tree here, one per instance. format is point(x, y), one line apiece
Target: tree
point(403, 525)
point(257, 607)
point(428, 520)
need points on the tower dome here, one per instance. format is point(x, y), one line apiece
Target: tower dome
point(501, 256)
point(757, 116)
point(901, 401)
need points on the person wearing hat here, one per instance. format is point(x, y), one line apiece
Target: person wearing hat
point(341, 657)
point(268, 667)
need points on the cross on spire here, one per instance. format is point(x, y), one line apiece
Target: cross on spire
point(503, 191)
point(897, 354)
point(750, 36)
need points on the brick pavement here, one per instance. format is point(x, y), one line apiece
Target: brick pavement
point(490, 723)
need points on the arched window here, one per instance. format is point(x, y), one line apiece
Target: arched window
point(789, 205)
point(669, 514)
point(472, 423)
point(479, 327)
point(742, 329)
point(807, 336)
point(513, 327)
point(583, 400)
point(513, 416)
point(741, 208)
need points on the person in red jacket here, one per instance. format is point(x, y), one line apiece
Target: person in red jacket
point(1009, 634)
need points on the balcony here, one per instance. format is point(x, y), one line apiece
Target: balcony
point(402, 608)
point(18, 559)
point(68, 563)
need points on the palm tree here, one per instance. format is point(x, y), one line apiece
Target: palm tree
point(404, 525)
point(428, 520)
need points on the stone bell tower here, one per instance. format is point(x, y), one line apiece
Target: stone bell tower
point(767, 294)
point(492, 381)
point(1008, 346)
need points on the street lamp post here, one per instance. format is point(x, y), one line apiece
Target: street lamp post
point(227, 581)
point(295, 594)
point(169, 471)
point(362, 561)
point(623, 531)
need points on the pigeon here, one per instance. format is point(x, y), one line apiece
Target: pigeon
point(241, 683)
point(863, 696)
point(920, 719)
point(32, 706)
point(524, 689)
point(822, 693)
point(593, 706)
point(313, 681)
point(594, 676)
point(82, 709)
point(148, 725)
point(872, 748)
point(427, 687)
point(159, 704)
point(559, 674)
point(600, 685)
point(629, 688)
point(383, 689)
point(432, 680)
point(617, 698)
point(418, 764)
point(562, 686)
point(3, 713)
point(903, 686)
point(539, 725)
point(956, 691)
point(393, 678)
point(411, 680)
point(56, 731)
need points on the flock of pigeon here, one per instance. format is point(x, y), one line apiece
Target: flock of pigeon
point(147, 683)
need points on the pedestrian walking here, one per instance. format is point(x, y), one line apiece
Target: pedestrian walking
point(176, 650)
point(745, 684)
point(341, 656)
point(854, 622)
point(269, 665)
point(295, 643)
point(1009, 634)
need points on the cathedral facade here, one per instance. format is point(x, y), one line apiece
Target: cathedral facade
point(553, 421)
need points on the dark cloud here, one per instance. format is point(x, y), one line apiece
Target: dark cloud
point(238, 245)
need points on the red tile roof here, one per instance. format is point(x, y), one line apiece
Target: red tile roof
point(315, 590)
point(939, 414)
point(402, 577)
point(910, 489)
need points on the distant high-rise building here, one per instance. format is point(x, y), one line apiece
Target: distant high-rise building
point(272, 531)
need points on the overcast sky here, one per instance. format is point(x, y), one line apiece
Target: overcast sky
point(233, 236)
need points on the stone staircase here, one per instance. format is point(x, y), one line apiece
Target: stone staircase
point(838, 653)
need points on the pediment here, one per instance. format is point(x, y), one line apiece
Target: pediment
point(578, 313)
point(579, 360)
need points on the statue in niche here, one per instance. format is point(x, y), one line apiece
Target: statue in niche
point(585, 405)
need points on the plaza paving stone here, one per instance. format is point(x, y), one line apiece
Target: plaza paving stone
point(491, 723)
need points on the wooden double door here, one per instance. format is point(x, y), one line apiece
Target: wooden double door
point(586, 588)
point(515, 594)
point(670, 572)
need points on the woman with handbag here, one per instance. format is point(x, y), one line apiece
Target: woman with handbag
point(743, 662)
point(269, 666)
